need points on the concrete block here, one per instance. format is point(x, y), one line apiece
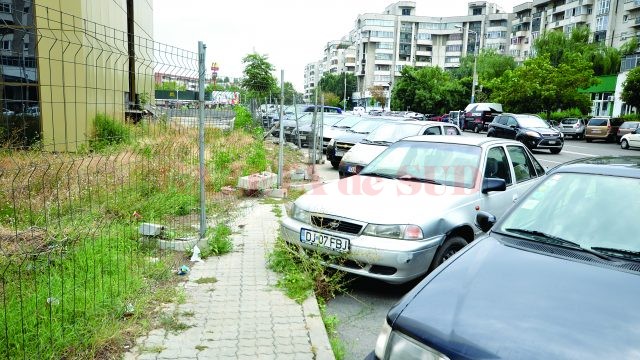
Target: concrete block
point(148, 229)
point(276, 193)
point(259, 181)
point(299, 175)
point(180, 244)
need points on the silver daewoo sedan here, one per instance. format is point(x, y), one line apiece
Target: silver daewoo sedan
point(413, 206)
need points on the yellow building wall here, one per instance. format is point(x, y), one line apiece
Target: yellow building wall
point(83, 65)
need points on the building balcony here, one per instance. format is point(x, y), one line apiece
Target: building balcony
point(579, 19)
point(424, 53)
point(585, 2)
point(636, 22)
point(630, 5)
point(521, 33)
point(350, 64)
point(422, 64)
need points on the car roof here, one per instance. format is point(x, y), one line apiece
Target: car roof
point(462, 140)
point(625, 166)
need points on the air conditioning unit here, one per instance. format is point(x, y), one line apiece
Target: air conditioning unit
point(610, 98)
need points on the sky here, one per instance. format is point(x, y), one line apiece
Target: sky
point(291, 33)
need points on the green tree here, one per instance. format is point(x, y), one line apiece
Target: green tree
point(335, 83)
point(331, 99)
point(291, 96)
point(631, 88)
point(258, 80)
point(490, 65)
point(426, 90)
point(539, 85)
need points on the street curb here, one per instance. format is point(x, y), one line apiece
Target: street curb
point(317, 331)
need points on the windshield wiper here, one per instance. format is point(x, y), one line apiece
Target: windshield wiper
point(381, 142)
point(377, 174)
point(555, 240)
point(417, 179)
point(627, 254)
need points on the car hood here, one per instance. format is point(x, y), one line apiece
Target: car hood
point(332, 132)
point(497, 301)
point(362, 198)
point(542, 130)
point(350, 137)
point(362, 154)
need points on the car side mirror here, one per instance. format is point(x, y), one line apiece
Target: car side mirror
point(493, 184)
point(485, 221)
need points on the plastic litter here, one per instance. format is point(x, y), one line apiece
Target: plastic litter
point(196, 254)
point(183, 270)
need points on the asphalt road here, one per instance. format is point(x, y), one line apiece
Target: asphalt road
point(362, 310)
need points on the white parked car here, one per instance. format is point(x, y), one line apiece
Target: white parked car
point(412, 207)
point(386, 134)
point(631, 140)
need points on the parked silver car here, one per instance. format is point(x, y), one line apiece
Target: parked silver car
point(412, 207)
point(573, 127)
point(384, 135)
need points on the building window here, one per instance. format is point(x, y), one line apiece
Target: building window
point(602, 22)
point(5, 8)
point(384, 45)
point(384, 56)
point(383, 67)
point(603, 7)
point(451, 59)
point(406, 11)
point(377, 22)
point(457, 36)
point(454, 48)
point(424, 36)
point(6, 45)
point(477, 11)
point(381, 34)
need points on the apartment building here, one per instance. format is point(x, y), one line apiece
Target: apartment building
point(385, 42)
point(381, 44)
point(70, 61)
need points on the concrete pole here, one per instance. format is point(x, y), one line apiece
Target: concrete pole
point(281, 149)
point(201, 58)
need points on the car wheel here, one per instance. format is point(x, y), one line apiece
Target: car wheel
point(624, 144)
point(477, 128)
point(335, 164)
point(589, 140)
point(450, 246)
point(555, 151)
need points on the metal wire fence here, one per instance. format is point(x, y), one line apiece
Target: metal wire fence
point(84, 165)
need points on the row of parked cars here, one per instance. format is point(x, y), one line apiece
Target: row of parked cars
point(507, 258)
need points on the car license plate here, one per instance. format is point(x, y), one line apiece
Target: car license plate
point(351, 169)
point(322, 240)
point(595, 131)
point(552, 142)
point(339, 153)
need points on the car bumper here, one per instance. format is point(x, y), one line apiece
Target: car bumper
point(545, 143)
point(389, 260)
point(572, 132)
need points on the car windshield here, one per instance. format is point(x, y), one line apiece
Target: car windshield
point(532, 122)
point(365, 126)
point(392, 132)
point(433, 162)
point(629, 125)
point(348, 122)
point(584, 209)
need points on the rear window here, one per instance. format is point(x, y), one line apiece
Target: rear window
point(569, 121)
point(597, 122)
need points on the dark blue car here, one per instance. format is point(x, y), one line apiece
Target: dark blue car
point(557, 277)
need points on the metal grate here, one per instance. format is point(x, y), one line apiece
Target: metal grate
point(335, 224)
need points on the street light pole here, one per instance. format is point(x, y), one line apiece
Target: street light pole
point(344, 97)
point(475, 67)
point(475, 62)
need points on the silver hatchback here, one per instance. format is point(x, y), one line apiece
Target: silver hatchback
point(573, 127)
point(413, 206)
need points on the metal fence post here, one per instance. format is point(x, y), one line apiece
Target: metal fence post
point(201, 71)
point(281, 149)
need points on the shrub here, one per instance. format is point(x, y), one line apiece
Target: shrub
point(243, 120)
point(107, 132)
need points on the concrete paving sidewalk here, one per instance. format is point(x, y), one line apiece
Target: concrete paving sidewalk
point(242, 315)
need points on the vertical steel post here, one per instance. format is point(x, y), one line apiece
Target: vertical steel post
point(281, 149)
point(201, 69)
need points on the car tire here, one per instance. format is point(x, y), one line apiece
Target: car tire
point(589, 140)
point(335, 164)
point(624, 144)
point(448, 248)
point(477, 128)
point(555, 151)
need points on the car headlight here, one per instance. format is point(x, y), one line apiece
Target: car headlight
point(405, 232)
point(532, 134)
point(300, 215)
point(398, 346)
